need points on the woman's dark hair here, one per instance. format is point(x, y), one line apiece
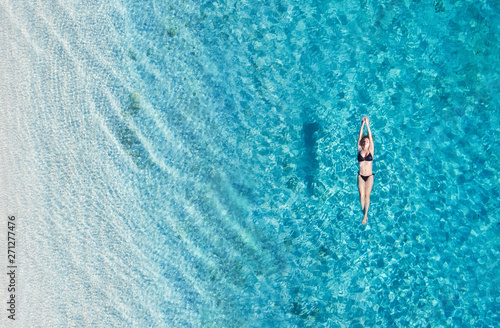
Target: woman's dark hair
point(365, 137)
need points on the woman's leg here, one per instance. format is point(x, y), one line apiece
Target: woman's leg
point(361, 188)
point(368, 190)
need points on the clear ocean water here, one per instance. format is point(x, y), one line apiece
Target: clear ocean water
point(181, 163)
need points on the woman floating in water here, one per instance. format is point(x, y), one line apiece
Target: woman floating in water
point(365, 174)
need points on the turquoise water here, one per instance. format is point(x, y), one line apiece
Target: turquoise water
point(187, 164)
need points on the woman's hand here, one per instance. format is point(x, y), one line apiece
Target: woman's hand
point(365, 119)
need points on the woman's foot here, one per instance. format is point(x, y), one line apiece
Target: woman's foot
point(365, 220)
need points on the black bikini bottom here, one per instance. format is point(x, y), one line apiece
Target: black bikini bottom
point(365, 177)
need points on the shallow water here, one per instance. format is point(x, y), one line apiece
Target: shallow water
point(177, 164)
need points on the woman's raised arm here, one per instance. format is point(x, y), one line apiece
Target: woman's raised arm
point(361, 133)
point(372, 146)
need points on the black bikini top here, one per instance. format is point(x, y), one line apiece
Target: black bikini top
point(367, 158)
